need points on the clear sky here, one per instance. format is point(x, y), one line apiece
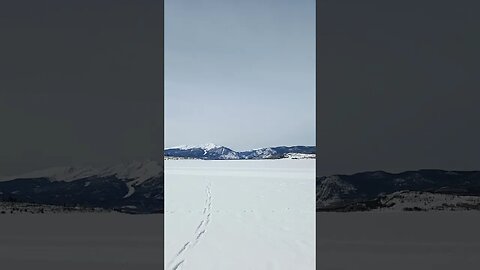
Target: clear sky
point(240, 73)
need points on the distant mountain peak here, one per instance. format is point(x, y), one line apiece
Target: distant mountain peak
point(211, 151)
point(205, 146)
point(137, 171)
point(135, 187)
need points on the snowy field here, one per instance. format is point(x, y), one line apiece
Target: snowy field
point(81, 241)
point(398, 240)
point(240, 214)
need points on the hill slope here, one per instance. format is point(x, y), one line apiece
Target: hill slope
point(211, 151)
point(418, 190)
point(135, 187)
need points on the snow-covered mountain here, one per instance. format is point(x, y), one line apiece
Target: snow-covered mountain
point(411, 190)
point(332, 189)
point(204, 151)
point(427, 201)
point(133, 187)
point(212, 151)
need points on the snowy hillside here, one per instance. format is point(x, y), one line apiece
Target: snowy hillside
point(204, 151)
point(129, 187)
point(331, 190)
point(411, 190)
point(424, 201)
point(212, 151)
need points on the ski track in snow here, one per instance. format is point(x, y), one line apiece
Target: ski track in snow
point(179, 260)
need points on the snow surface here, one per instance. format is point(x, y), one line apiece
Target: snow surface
point(401, 200)
point(93, 241)
point(300, 156)
point(245, 214)
point(398, 240)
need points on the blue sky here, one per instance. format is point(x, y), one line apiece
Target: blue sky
point(240, 73)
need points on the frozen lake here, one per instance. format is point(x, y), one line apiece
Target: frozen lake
point(398, 240)
point(240, 214)
point(81, 241)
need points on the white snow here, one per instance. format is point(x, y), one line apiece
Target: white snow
point(265, 152)
point(245, 214)
point(206, 147)
point(399, 201)
point(131, 190)
point(79, 241)
point(329, 189)
point(398, 240)
point(300, 156)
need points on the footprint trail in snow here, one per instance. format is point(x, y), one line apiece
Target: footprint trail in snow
point(180, 258)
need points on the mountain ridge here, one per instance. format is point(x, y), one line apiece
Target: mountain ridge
point(372, 190)
point(135, 187)
point(212, 151)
